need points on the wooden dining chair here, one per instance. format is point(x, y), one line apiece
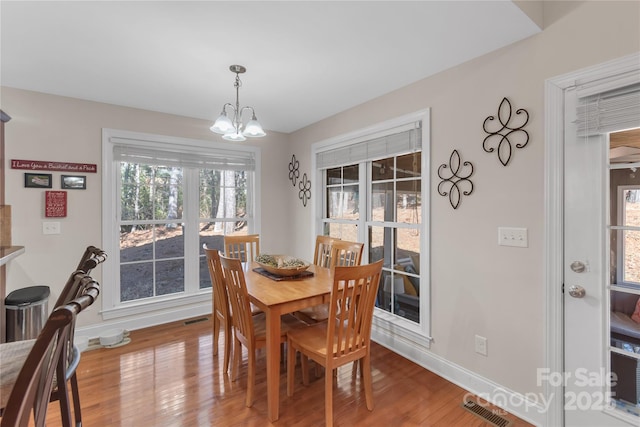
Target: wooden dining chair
point(14, 354)
point(244, 247)
point(221, 311)
point(46, 364)
point(248, 330)
point(343, 340)
point(342, 253)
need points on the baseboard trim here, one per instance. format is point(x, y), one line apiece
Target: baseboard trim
point(502, 397)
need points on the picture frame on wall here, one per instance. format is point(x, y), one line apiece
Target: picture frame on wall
point(73, 182)
point(37, 180)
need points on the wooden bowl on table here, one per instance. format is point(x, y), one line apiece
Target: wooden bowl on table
point(282, 265)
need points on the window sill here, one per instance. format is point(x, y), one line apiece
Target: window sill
point(147, 306)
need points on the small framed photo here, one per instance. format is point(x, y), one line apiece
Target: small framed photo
point(73, 182)
point(37, 180)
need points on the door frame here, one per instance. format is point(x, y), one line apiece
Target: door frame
point(554, 209)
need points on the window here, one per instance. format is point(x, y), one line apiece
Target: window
point(166, 197)
point(372, 186)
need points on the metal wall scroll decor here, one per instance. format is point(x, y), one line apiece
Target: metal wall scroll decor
point(457, 179)
point(305, 189)
point(509, 132)
point(294, 170)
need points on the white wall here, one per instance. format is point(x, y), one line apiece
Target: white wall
point(48, 127)
point(477, 286)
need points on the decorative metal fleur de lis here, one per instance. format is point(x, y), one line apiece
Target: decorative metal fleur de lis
point(455, 179)
point(507, 132)
point(305, 189)
point(294, 170)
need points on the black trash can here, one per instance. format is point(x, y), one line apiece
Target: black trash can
point(27, 311)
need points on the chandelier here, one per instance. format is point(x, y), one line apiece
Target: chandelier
point(231, 129)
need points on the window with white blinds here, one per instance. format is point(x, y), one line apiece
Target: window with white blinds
point(139, 151)
point(401, 140)
point(610, 111)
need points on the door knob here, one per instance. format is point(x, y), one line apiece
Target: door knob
point(577, 291)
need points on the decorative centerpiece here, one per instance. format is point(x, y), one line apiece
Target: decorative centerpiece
point(282, 265)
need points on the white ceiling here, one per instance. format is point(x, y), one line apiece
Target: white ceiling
point(305, 60)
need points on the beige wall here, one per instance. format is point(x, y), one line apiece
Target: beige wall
point(478, 287)
point(47, 127)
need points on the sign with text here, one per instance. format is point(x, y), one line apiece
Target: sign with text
point(39, 165)
point(55, 204)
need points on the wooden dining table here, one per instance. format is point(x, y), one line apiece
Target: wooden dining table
point(280, 297)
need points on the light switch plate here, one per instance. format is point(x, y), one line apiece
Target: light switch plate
point(512, 236)
point(50, 227)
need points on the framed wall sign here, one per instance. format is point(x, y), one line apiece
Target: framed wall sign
point(73, 182)
point(55, 204)
point(37, 180)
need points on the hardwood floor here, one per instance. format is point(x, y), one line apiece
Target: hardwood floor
point(167, 376)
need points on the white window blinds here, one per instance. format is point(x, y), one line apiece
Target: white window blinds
point(610, 111)
point(128, 150)
point(406, 139)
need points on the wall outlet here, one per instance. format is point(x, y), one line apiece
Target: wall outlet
point(510, 236)
point(50, 227)
point(481, 345)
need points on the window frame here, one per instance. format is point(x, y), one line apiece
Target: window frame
point(112, 307)
point(385, 323)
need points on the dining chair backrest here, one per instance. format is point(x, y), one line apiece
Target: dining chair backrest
point(33, 386)
point(353, 298)
point(91, 258)
point(220, 298)
point(322, 253)
point(245, 247)
point(238, 299)
point(346, 254)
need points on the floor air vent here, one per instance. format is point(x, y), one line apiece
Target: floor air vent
point(486, 414)
point(192, 321)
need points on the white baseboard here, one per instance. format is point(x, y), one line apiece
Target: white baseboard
point(509, 400)
point(131, 323)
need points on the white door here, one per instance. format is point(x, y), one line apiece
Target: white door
point(588, 261)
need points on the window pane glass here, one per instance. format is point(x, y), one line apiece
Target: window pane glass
point(351, 202)
point(169, 241)
point(381, 198)
point(343, 231)
point(214, 240)
point(169, 276)
point(408, 166)
point(382, 169)
point(209, 193)
point(631, 259)
point(334, 176)
point(136, 281)
point(167, 191)
point(350, 174)
point(333, 202)
point(136, 243)
point(376, 245)
point(408, 202)
point(632, 208)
